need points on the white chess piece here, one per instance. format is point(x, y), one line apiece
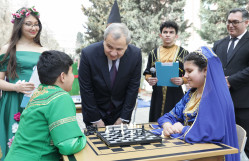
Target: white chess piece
point(162, 135)
point(134, 125)
point(122, 132)
point(132, 134)
point(122, 126)
point(131, 126)
point(107, 130)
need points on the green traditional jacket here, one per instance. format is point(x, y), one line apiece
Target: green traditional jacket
point(48, 120)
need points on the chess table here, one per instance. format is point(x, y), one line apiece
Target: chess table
point(168, 149)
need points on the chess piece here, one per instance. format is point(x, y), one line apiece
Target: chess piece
point(107, 130)
point(119, 133)
point(122, 126)
point(122, 132)
point(143, 132)
point(86, 132)
point(95, 128)
point(162, 135)
point(132, 134)
point(130, 126)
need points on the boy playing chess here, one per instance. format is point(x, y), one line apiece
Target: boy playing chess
point(48, 125)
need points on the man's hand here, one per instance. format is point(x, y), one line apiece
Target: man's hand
point(177, 81)
point(100, 123)
point(118, 122)
point(152, 80)
point(228, 84)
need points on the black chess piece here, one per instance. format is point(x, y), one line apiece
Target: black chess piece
point(137, 132)
point(119, 133)
point(86, 132)
point(143, 132)
point(95, 128)
point(91, 130)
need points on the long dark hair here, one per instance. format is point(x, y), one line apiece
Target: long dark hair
point(15, 37)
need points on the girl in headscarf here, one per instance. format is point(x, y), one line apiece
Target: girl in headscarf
point(206, 113)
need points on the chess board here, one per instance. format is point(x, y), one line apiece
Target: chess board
point(100, 147)
point(129, 137)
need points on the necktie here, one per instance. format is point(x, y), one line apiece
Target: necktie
point(113, 72)
point(230, 50)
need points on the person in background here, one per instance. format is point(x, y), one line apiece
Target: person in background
point(205, 114)
point(164, 98)
point(17, 60)
point(233, 52)
point(109, 78)
point(43, 133)
point(114, 16)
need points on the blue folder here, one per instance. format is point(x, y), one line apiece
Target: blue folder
point(166, 71)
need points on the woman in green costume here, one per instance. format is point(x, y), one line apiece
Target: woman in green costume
point(48, 125)
point(17, 60)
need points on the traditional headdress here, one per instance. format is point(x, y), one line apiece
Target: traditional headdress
point(24, 12)
point(114, 16)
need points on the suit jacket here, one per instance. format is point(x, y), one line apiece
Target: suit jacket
point(95, 83)
point(237, 68)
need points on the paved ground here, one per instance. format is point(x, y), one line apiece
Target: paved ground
point(139, 115)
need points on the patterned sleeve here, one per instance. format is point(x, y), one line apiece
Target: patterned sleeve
point(176, 114)
point(62, 119)
point(151, 62)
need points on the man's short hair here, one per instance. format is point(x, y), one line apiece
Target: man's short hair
point(117, 30)
point(51, 64)
point(245, 15)
point(169, 24)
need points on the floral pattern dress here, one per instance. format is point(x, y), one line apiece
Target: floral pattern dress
point(10, 101)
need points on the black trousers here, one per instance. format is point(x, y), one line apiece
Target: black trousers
point(108, 119)
point(242, 119)
point(111, 118)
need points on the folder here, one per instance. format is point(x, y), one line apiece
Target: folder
point(34, 79)
point(166, 71)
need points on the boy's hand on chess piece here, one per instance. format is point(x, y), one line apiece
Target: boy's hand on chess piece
point(100, 123)
point(118, 122)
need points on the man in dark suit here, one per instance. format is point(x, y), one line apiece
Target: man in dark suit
point(109, 78)
point(233, 52)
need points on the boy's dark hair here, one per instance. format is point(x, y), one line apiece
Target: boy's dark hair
point(199, 60)
point(51, 64)
point(169, 24)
